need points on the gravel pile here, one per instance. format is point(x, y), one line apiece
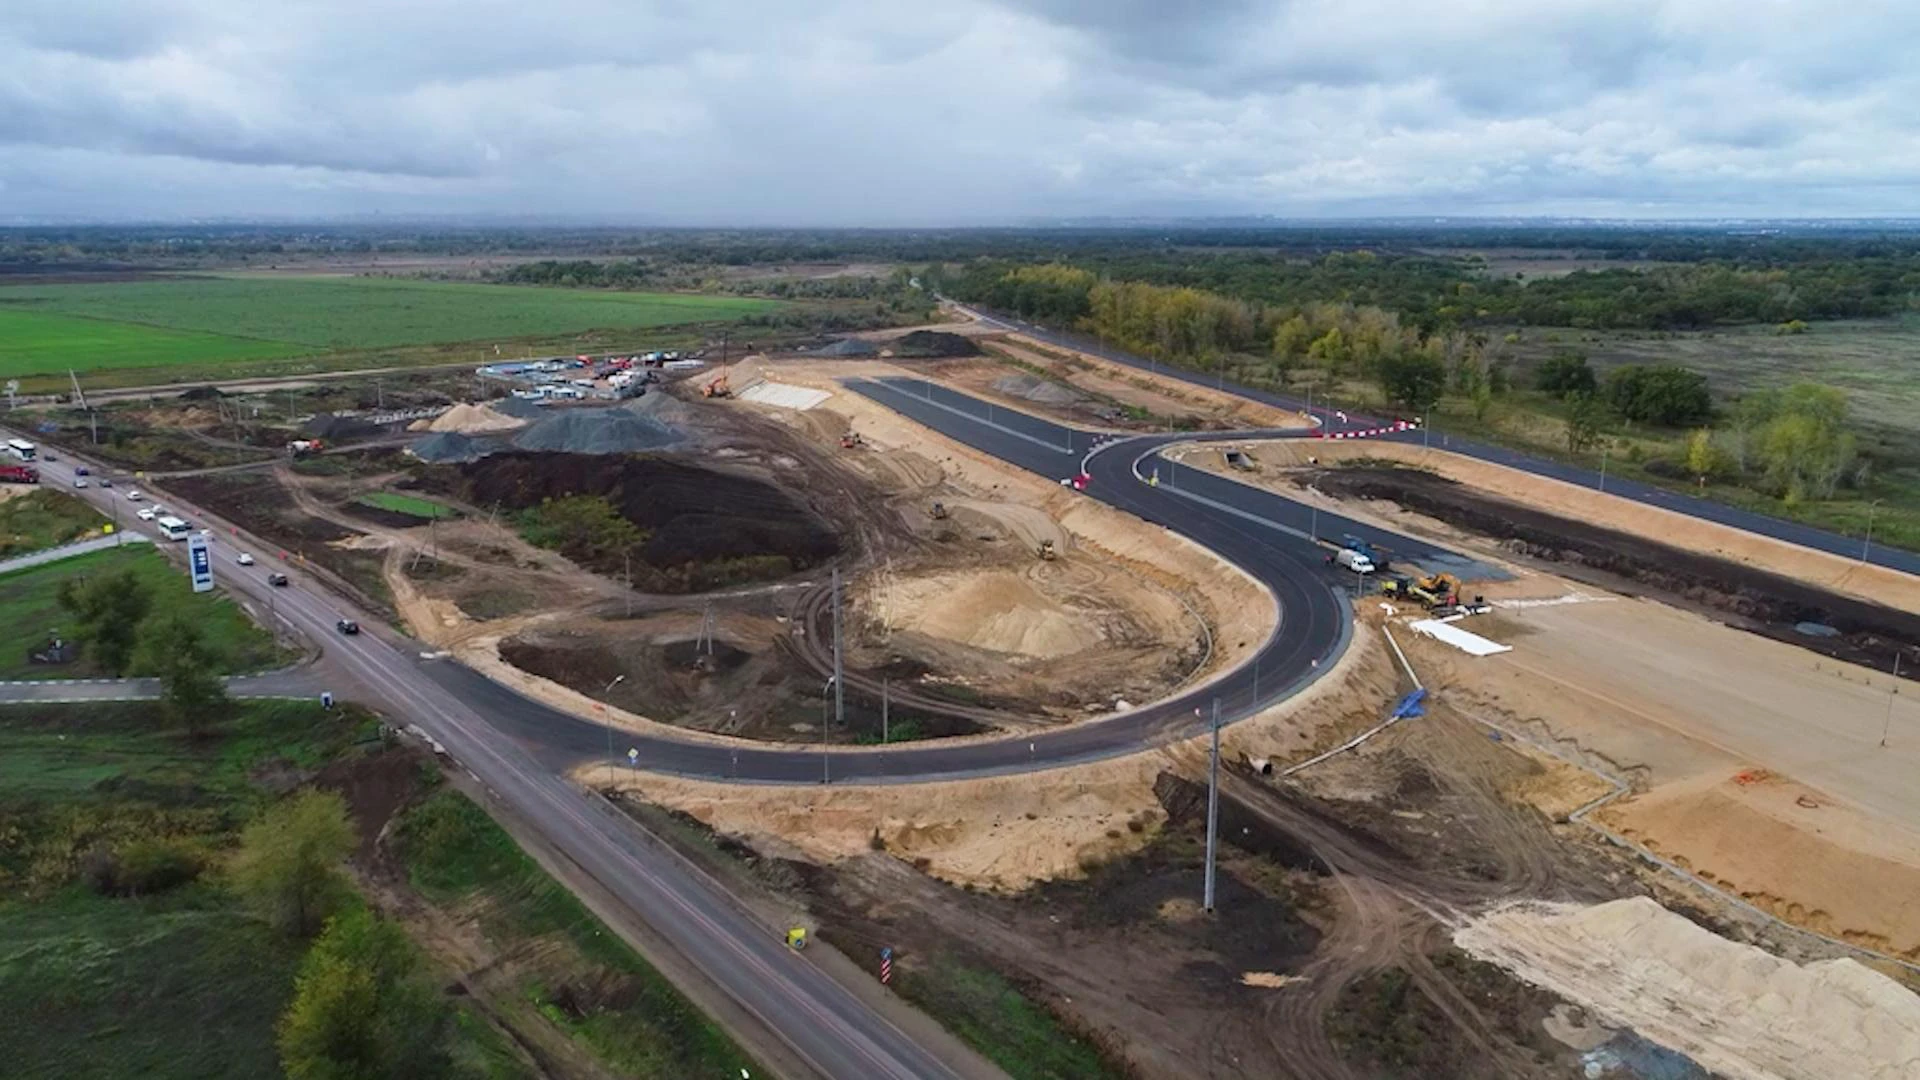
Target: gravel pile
point(848, 347)
point(611, 430)
point(518, 408)
point(455, 446)
point(1038, 390)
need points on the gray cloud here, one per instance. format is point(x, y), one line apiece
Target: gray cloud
point(863, 111)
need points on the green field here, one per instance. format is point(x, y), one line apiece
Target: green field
point(30, 610)
point(45, 329)
point(180, 984)
point(411, 505)
point(43, 519)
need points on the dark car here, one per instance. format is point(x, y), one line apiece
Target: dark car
point(104, 482)
point(348, 626)
point(80, 470)
point(49, 457)
point(276, 579)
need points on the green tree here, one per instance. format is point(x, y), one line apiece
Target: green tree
point(1664, 395)
point(288, 865)
point(1482, 398)
point(1413, 378)
point(1586, 416)
point(1705, 459)
point(1291, 338)
point(1565, 372)
point(362, 1009)
point(174, 647)
point(107, 610)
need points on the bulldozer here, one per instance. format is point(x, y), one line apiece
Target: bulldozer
point(939, 511)
point(1046, 552)
point(718, 387)
point(1437, 590)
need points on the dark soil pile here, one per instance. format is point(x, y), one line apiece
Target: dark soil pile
point(849, 347)
point(454, 446)
point(518, 407)
point(933, 344)
point(598, 431)
point(694, 517)
point(1765, 602)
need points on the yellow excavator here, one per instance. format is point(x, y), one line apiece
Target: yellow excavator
point(1437, 590)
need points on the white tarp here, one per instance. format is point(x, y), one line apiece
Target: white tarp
point(1465, 640)
point(784, 395)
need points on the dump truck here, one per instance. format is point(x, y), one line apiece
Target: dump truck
point(717, 388)
point(303, 447)
point(19, 474)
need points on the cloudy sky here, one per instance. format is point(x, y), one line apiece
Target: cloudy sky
point(957, 112)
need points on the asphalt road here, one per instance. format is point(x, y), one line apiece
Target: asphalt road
point(819, 1020)
point(292, 683)
point(1851, 547)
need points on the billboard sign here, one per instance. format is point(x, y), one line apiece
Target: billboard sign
point(200, 563)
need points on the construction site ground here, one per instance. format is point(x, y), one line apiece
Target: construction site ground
point(1755, 763)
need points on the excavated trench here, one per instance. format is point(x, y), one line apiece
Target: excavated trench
point(1767, 603)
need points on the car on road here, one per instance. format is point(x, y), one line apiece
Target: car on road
point(276, 579)
point(133, 495)
point(79, 481)
point(244, 559)
point(147, 513)
point(105, 483)
point(348, 627)
point(49, 457)
point(80, 470)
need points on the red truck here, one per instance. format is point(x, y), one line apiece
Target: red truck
point(19, 474)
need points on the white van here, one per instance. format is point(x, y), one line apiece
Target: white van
point(172, 527)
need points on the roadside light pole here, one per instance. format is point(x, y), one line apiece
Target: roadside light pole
point(607, 722)
point(1605, 448)
point(1867, 544)
point(1213, 806)
point(1892, 693)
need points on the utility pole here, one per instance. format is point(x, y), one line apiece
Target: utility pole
point(1867, 544)
point(1426, 429)
point(1605, 448)
point(1213, 805)
point(839, 684)
point(883, 705)
point(1892, 692)
point(625, 557)
point(607, 721)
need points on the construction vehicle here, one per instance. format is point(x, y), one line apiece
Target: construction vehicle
point(1376, 556)
point(1436, 591)
point(19, 474)
point(1046, 552)
point(718, 387)
point(1352, 560)
point(939, 511)
point(852, 441)
point(303, 447)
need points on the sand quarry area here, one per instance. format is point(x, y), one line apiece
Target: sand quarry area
point(1685, 708)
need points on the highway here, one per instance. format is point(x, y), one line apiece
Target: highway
point(821, 1022)
point(1793, 532)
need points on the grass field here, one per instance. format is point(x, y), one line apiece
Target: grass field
point(42, 519)
point(457, 857)
point(411, 505)
point(995, 1018)
point(30, 609)
point(45, 329)
point(182, 984)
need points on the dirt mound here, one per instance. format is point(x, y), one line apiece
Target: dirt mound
point(1036, 389)
point(1868, 633)
point(995, 610)
point(454, 447)
point(848, 347)
point(472, 420)
point(1790, 850)
point(606, 430)
point(933, 344)
point(1734, 1008)
point(692, 515)
point(664, 409)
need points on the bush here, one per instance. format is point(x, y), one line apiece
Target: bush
point(144, 867)
point(1565, 372)
point(1663, 395)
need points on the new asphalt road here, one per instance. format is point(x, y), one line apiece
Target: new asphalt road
point(1851, 547)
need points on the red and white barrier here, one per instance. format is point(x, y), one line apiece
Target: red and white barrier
point(1365, 433)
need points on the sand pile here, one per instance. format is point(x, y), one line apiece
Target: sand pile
point(996, 610)
point(455, 446)
point(1735, 1009)
point(470, 419)
point(609, 430)
point(1035, 389)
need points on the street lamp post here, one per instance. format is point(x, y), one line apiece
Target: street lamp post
point(607, 722)
point(1605, 449)
point(1867, 544)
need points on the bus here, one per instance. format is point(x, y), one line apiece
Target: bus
point(172, 527)
point(22, 449)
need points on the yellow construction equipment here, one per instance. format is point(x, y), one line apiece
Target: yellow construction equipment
point(1046, 551)
point(1436, 590)
point(851, 441)
point(718, 387)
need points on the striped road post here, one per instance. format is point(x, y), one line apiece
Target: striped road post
point(886, 966)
